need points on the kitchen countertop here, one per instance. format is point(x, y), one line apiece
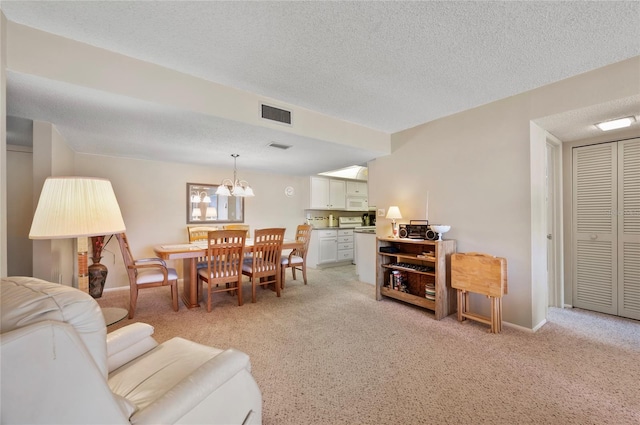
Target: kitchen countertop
point(365, 229)
point(368, 229)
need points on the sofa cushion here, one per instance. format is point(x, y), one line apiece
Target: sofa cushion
point(125, 405)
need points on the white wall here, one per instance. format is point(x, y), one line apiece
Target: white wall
point(20, 197)
point(483, 180)
point(53, 260)
point(152, 197)
point(3, 144)
point(477, 176)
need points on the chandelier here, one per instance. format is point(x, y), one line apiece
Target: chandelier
point(197, 197)
point(235, 187)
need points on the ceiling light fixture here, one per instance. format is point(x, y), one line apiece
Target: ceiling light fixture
point(615, 124)
point(235, 187)
point(197, 197)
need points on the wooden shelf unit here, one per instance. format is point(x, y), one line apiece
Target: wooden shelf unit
point(411, 251)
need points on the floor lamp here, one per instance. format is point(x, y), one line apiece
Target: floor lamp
point(77, 207)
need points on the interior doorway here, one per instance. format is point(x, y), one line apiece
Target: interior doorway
point(553, 207)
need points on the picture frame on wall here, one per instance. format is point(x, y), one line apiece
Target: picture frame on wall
point(205, 207)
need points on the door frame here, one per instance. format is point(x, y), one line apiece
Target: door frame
point(555, 265)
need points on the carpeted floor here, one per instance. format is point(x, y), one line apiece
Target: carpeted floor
point(329, 353)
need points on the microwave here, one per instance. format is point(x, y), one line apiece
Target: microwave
point(357, 203)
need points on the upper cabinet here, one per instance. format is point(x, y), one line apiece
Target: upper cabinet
point(337, 189)
point(357, 188)
point(328, 194)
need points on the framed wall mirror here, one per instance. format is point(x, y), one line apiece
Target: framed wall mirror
point(204, 206)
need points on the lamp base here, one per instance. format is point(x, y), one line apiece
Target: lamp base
point(97, 278)
point(83, 277)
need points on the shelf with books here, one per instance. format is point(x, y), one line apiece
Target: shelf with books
point(422, 266)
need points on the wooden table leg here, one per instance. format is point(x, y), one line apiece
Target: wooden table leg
point(494, 319)
point(190, 289)
point(500, 314)
point(496, 314)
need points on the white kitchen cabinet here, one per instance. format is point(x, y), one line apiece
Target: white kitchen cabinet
point(365, 251)
point(329, 247)
point(337, 194)
point(323, 247)
point(357, 188)
point(328, 251)
point(327, 194)
point(345, 245)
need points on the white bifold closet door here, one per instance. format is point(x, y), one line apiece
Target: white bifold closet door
point(606, 228)
point(629, 228)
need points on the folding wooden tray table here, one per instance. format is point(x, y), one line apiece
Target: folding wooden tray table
point(482, 274)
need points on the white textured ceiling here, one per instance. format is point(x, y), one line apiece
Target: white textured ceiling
point(384, 65)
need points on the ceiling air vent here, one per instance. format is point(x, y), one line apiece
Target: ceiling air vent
point(276, 114)
point(279, 146)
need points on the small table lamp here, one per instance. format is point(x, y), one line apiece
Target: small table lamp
point(77, 207)
point(212, 213)
point(394, 213)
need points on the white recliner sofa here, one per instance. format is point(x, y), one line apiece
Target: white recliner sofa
point(59, 366)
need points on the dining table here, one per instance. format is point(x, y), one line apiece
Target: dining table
point(189, 254)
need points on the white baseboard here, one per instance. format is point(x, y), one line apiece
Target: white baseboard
point(122, 288)
point(539, 325)
point(567, 306)
point(117, 288)
point(522, 328)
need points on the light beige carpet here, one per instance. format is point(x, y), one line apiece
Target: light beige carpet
point(329, 353)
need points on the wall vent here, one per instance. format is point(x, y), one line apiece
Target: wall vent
point(279, 146)
point(276, 114)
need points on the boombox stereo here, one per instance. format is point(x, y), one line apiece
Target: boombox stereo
point(417, 231)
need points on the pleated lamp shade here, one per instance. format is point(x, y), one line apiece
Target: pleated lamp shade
point(71, 207)
point(394, 212)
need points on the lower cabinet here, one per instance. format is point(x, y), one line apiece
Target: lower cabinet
point(327, 246)
point(345, 245)
point(330, 247)
point(365, 257)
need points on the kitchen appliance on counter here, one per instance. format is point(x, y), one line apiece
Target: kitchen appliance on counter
point(349, 222)
point(357, 203)
point(369, 219)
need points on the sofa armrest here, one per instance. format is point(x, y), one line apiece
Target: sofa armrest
point(48, 376)
point(189, 393)
point(128, 343)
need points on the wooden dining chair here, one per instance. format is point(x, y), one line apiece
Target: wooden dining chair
point(146, 273)
point(245, 227)
point(200, 234)
point(225, 253)
point(297, 258)
point(263, 267)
